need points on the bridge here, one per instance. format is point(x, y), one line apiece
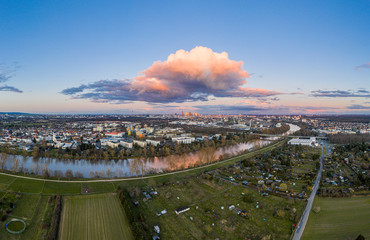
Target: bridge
point(288, 136)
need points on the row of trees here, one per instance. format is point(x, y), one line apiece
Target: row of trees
point(349, 138)
point(276, 130)
point(138, 224)
point(54, 225)
point(89, 151)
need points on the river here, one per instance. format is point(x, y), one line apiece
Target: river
point(129, 167)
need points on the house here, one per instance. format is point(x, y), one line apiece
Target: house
point(305, 142)
point(154, 142)
point(115, 134)
point(185, 140)
point(155, 237)
point(140, 143)
point(127, 143)
point(181, 210)
point(162, 212)
point(243, 214)
point(156, 229)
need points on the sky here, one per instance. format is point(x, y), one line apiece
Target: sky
point(145, 57)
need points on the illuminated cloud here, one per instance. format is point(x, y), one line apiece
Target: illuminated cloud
point(341, 93)
point(185, 76)
point(365, 65)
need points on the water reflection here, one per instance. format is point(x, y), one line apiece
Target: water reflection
point(122, 168)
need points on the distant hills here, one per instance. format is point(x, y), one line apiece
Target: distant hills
point(16, 113)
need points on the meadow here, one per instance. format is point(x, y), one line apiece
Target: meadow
point(93, 217)
point(339, 218)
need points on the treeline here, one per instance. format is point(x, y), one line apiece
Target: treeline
point(138, 226)
point(335, 192)
point(52, 219)
point(276, 130)
point(349, 138)
point(90, 152)
point(305, 131)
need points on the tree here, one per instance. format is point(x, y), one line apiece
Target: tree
point(3, 159)
point(316, 209)
point(69, 174)
point(248, 198)
point(280, 213)
point(360, 237)
point(283, 187)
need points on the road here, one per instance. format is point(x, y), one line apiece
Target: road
point(302, 223)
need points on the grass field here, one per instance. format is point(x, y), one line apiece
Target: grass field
point(62, 188)
point(93, 217)
point(339, 218)
point(26, 186)
point(30, 208)
point(206, 218)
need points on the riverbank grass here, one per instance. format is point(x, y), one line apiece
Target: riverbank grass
point(27, 186)
point(62, 188)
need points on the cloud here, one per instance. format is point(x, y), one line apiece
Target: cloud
point(6, 75)
point(264, 109)
point(341, 93)
point(365, 65)
point(10, 89)
point(230, 108)
point(194, 75)
point(358, 107)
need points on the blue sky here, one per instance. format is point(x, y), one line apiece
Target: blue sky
point(287, 47)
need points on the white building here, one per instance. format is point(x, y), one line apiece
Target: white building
point(127, 144)
point(153, 142)
point(185, 140)
point(305, 142)
point(140, 143)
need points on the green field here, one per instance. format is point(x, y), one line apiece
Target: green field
point(27, 186)
point(93, 217)
point(339, 218)
point(62, 188)
point(30, 208)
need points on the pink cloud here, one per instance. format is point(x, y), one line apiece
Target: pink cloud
point(184, 76)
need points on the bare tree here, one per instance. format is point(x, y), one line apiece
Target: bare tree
point(58, 173)
point(109, 173)
point(78, 174)
point(16, 163)
point(3, 160)
point(69, 174)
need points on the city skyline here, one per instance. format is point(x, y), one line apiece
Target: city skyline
point(165, 57)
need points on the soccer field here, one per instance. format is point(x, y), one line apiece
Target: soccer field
point(339, 218)
point(93, 217)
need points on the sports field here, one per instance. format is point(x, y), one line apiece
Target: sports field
point(339, 218)
point(93, 217)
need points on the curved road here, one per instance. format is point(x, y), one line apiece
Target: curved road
point(302, 223)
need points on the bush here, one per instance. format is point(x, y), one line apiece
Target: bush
point(54, 227)
point(3, 216)
point(248, 198)
point(316, 209)
point(280, 213)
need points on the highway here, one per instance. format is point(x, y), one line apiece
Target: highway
point(302, 223)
